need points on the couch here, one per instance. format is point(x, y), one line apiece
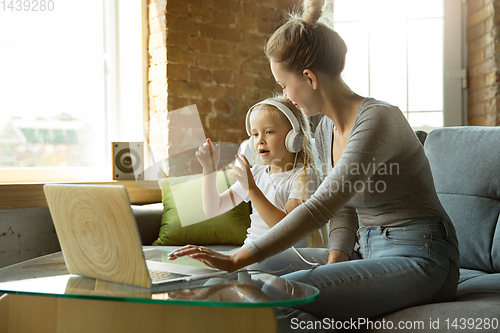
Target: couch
point(465, 162)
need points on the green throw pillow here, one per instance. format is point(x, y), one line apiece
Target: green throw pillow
point(182, 202)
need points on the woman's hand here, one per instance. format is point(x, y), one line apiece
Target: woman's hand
point(244, 174)
point(214, 259)
point(337, 256)
point(205, 255)
point(208, 156)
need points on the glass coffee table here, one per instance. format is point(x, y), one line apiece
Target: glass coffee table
point(41, 296)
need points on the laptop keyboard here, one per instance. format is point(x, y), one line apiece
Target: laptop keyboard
point(162, 276)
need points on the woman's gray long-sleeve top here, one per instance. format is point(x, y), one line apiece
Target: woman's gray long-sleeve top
point(383, 176)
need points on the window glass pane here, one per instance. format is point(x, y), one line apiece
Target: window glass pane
point(355, 74)
point(130, 72)
point(404, 50)
point(52, 84)
point(388, 80)
point(425, 65)
point(387, 10)
point(425, 121)
point(425, 8)
point(350, 10)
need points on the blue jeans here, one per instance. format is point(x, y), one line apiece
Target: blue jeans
point(397, 267)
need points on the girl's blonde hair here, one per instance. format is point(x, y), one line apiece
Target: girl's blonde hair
point(305, 158)
point(307, 41)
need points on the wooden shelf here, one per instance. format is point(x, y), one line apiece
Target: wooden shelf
point(15, 196)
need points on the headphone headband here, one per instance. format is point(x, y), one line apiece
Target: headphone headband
point(282, 107)
point(294, 138)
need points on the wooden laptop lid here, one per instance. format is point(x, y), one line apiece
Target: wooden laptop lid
point(97, 232)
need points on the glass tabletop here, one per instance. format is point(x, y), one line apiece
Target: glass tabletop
point(48, 276)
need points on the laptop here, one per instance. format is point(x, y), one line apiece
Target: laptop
point(99, 238)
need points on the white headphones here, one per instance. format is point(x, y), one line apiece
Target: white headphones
point(293, 140)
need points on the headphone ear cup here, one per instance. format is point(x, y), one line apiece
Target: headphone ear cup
point(293, 141)
point(251, 144)
point(298, 142)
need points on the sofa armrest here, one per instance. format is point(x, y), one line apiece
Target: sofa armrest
point(148, 219)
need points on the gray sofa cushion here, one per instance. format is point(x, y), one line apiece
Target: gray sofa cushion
point(445, 317)
point(477, 282)
point(465, 163)
point(148, 219)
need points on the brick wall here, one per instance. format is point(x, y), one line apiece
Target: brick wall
point(210, 53)
point(483, 56)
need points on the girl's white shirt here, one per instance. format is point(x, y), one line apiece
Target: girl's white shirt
point(278, 188)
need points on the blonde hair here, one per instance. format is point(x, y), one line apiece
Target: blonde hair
point(307, 41)
point(305, 158)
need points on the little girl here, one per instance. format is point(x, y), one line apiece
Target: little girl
point(280, 136)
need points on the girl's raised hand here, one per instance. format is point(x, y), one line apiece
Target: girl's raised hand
point(208, 156)
point(244, 175)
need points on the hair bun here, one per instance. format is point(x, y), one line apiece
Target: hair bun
point(313, 10)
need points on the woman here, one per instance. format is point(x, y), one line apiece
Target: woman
point(377, 172)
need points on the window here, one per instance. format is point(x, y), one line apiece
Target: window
point(71, 84)
point(405, 52)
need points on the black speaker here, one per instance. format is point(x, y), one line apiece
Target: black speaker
point(128, 161)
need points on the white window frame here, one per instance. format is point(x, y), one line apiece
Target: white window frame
point(116, 118)
point(454, 63)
